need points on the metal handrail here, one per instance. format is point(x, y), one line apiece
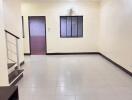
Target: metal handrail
point(16, 47)
point(12, 34)
point(11, 60)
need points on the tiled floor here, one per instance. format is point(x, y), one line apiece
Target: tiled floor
point(73, 77)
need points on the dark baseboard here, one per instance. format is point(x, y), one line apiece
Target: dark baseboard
point(22, 63)
point(119, 66)
point(27, 54)
point(74, 53)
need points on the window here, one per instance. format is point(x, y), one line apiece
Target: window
point(71, 26)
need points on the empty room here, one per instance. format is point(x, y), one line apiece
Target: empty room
point(65, 49)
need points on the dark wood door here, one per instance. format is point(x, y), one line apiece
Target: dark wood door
point(37, 35)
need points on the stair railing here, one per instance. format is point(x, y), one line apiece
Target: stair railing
point(12, 44)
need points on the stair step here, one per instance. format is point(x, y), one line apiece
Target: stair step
point(12, 69)
point(10, 65)
point(15, 76)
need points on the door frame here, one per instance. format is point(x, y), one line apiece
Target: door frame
point(30, 33)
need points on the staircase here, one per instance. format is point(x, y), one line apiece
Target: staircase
point(15, 72)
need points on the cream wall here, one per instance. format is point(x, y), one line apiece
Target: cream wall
point(115, 39)
point(13, 22)
point(10, 19)
point(3, 59)
point(112, 20)
point(53, 11)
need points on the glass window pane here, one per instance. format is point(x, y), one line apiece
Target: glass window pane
point(80, 26)
point(74, 26)
point(63, 26)
point(68, 26)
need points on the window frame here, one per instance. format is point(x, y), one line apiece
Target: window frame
point(71, 28)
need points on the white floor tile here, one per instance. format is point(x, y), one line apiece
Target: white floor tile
point(73, 77)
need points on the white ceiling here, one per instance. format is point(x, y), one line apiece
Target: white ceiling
point(56, 0)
